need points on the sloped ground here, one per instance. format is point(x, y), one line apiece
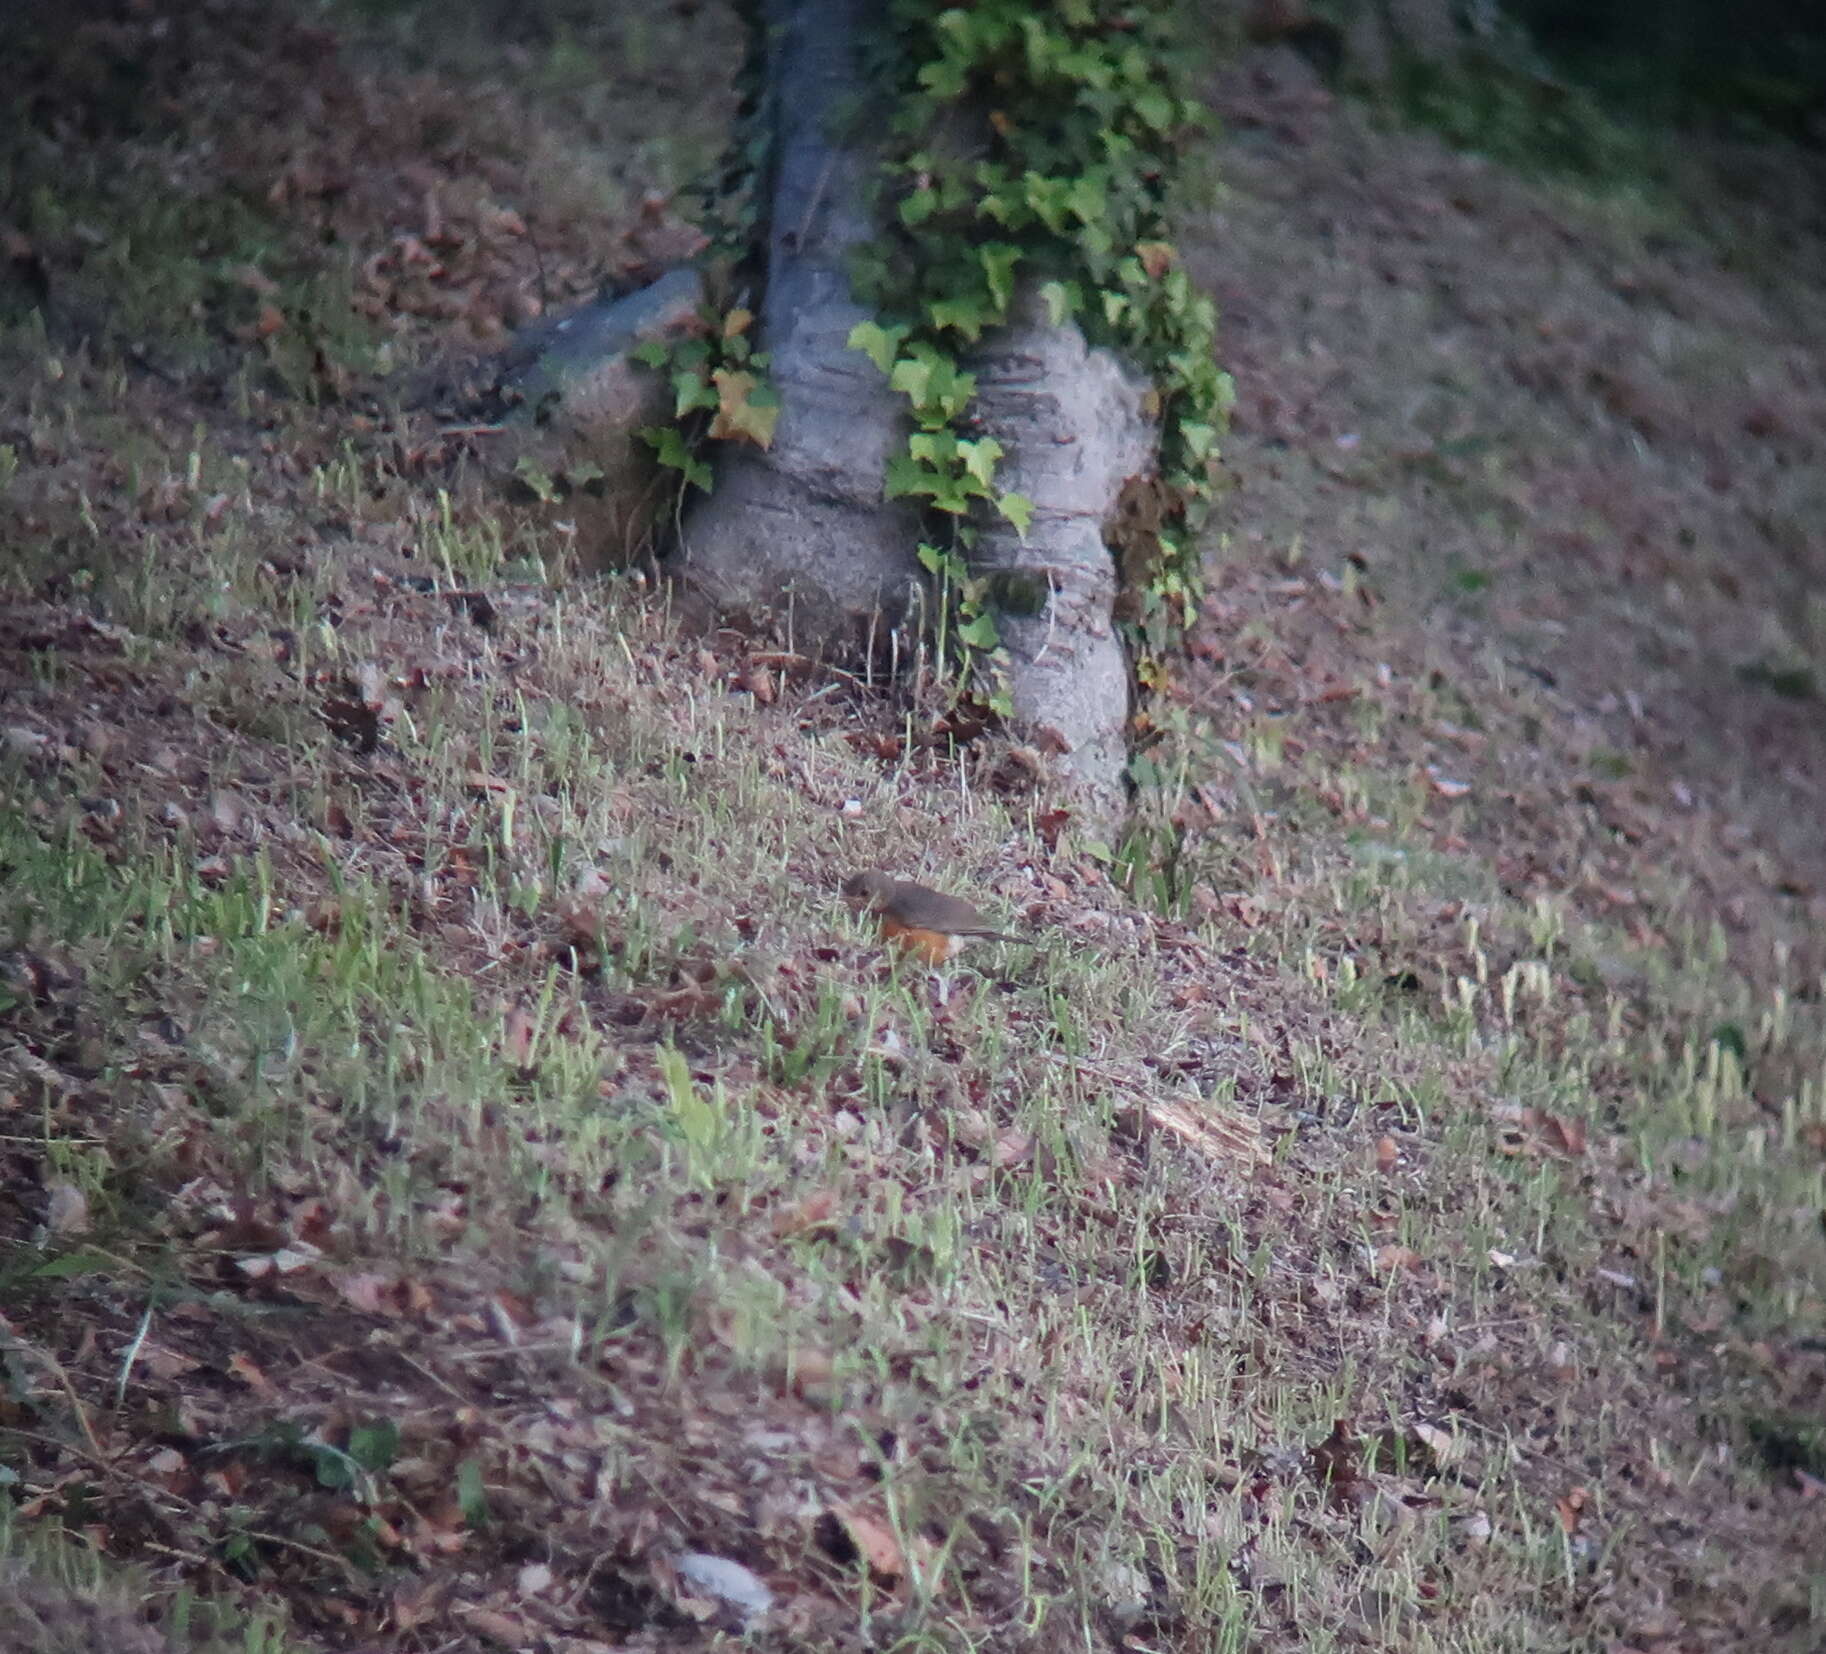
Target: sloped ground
point(465, 1183)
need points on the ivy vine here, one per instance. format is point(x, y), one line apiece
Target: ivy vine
point(1043, 146)
point(1038, 147)
point(720, 391)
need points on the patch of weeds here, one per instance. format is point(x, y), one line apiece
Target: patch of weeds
point(59, 1596)
point(1791, 682)
point(1524, 118)
point(193, 276)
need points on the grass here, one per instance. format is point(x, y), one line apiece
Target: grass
point(800, 1186)
point(460, 1163)
point(59, 1599)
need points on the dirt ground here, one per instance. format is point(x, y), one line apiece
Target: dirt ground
point(465, 1184)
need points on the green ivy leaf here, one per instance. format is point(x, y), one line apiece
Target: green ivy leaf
point(916, 208)
point(1049, 199)
point(537, 478)
point(965, 316)
point(1156, 108)
point(656, 353)
point(906, 476)
point(999, 259)
point(1200, 438)
point(870, 271)
point(912, 377)
point(979, 458)
point(374, 1446)
point(692, 391)
point(668, 443)
point(880, 344)
point(979, 632)
point(1018, 509)
point(937, 449)
point(944, 81)
point(1061, 299)
point(471, 1493)
point(1086, 199)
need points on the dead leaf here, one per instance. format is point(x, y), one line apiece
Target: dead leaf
point(1221, 1133)
point(244, 1368)
point(369, 1293)
point(164, 1363)
point(66, 1210)
point(873, 1538)
point(741, 1588)
point(1571, 1509)
point(1392, 1258)
point(1335, 1461)
point(1157, 257)
point(1013, 1146)
point(815, 1211)
point(1563, 1135)
point(1444, 1445)
point(810, 1373)
point(497, 1627)
point(519, 1036)
point(737, 415)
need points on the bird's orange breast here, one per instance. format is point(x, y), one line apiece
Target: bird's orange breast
point(933, 946)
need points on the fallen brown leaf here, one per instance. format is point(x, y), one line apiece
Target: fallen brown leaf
point(873, 1538)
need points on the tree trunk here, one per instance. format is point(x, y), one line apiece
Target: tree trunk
point(802, 533)
point(1071, 424)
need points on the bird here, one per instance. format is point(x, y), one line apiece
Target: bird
point(925, 924)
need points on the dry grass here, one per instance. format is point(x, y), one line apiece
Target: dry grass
point(465, 1182)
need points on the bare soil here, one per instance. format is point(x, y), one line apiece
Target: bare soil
point(464, 1183)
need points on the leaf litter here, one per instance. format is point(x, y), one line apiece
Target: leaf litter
point(660, 1267)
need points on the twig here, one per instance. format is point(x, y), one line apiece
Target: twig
point(133, 1349)
point(63, 1381)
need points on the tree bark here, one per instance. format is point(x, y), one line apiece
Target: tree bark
point(1071, 423)
point(803, 533)
point(575, 400)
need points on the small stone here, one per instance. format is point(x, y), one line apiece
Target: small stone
point(728, 1581)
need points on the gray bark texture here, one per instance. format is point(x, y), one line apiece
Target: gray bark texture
point(580, 399)
point(802, 533)
point(1071, 423)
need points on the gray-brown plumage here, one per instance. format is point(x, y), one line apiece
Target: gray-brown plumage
point(926, 923)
